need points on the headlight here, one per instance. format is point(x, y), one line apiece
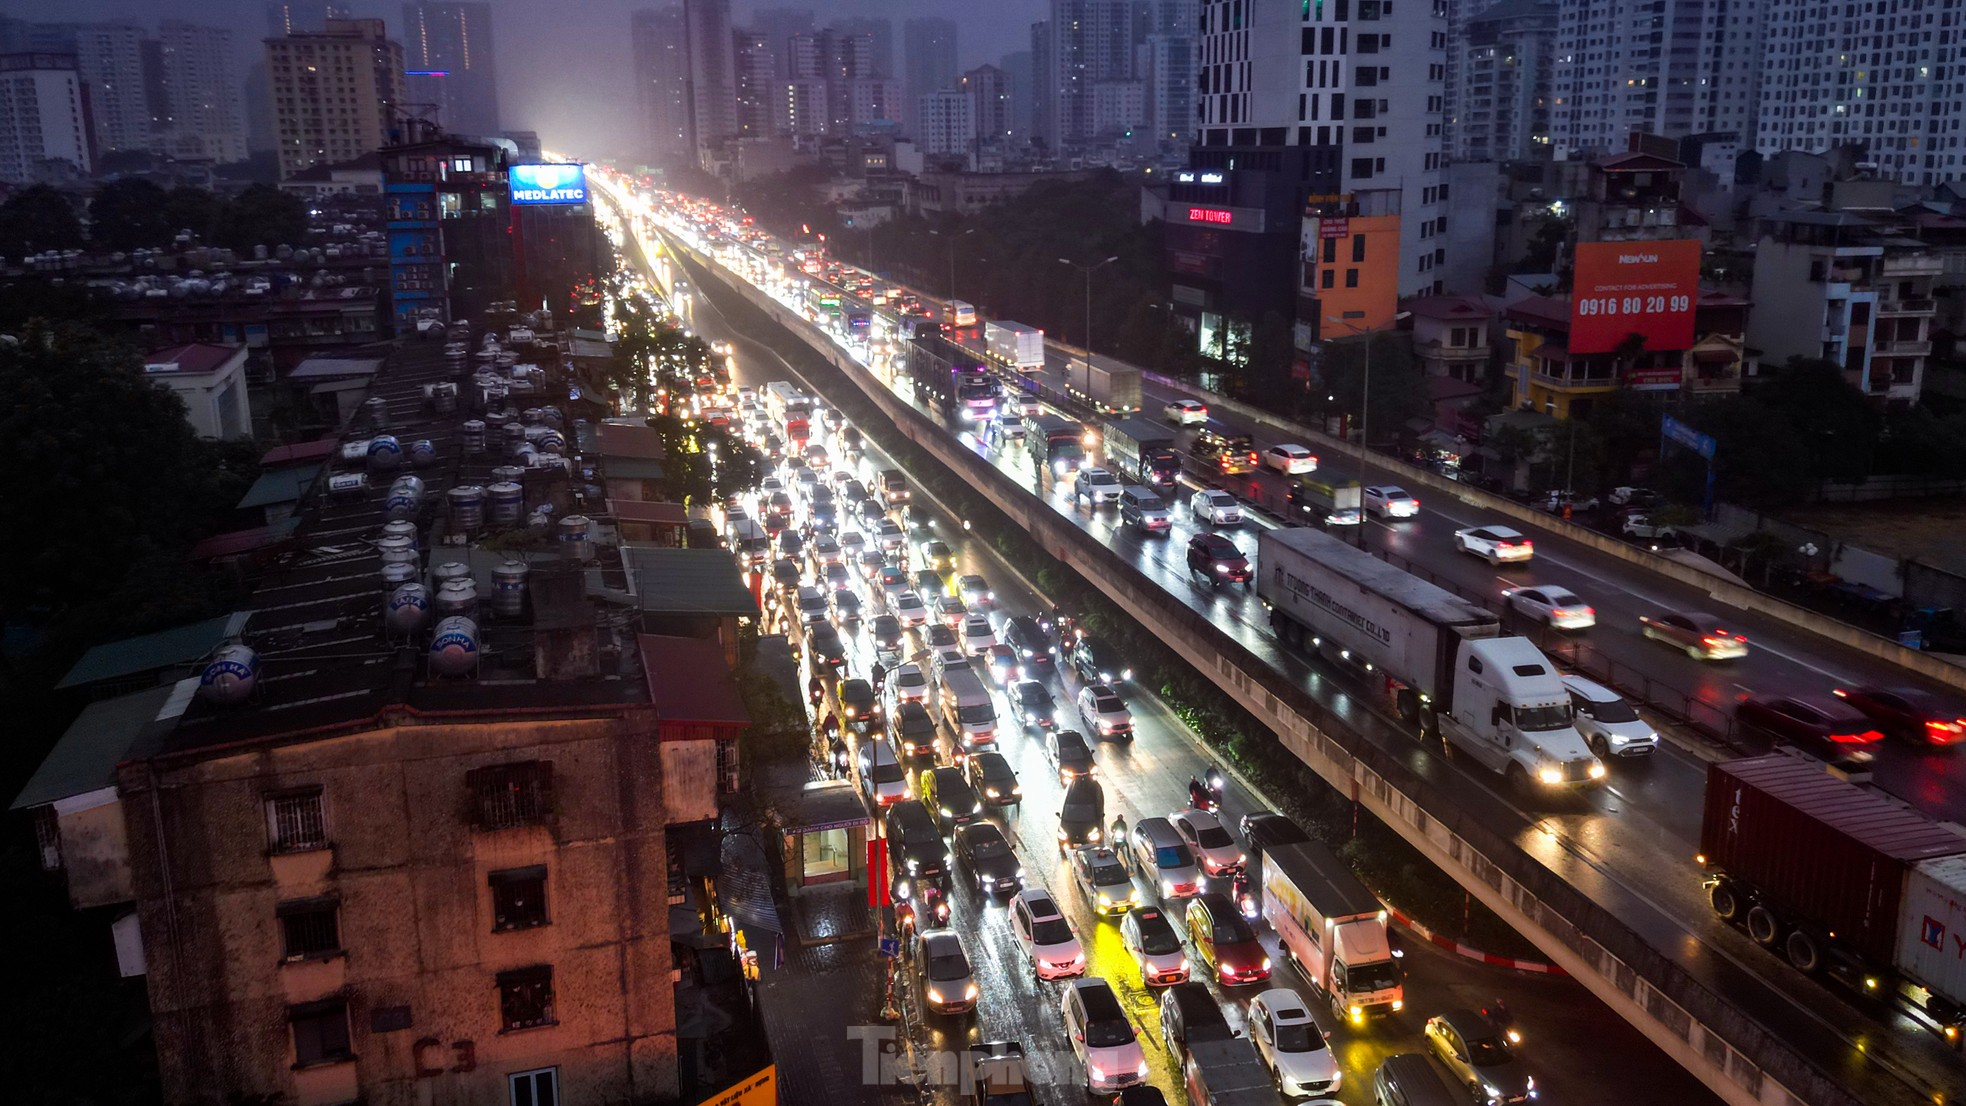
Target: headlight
point(1141, 1071)
point(1597, 769)
point(1105, 899)
point(947, 813)
point(1357, 1013)
point(1127, 674)
point(1398, 1005)
point(1167, 887)
point(1221, 566)
point(1551, 776)
point(1020, 871)
point(1091, 834)
point(914, 865)
point(991, 792)
point(970, 991)
point(1266, 963)
point(935, 995)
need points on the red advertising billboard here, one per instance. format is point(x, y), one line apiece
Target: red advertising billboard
point(1644, 288)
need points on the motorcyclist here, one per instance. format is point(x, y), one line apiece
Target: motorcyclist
point(1119, 829)
point(1197, 794)
point(815, 690)
point(1241, 890)
point(1215, 782)
point(879, 674)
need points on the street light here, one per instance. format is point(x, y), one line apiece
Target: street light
point(952, 255)
point(1365, 394)
point(1088, 270)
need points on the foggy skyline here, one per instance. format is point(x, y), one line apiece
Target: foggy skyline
point(547, 52)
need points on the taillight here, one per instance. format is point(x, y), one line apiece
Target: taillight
point(1940, 729)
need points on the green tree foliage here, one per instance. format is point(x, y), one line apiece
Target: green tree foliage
point(262, 215)
point(193, 209)
point(703, 464)
point(1398, 391)
point(129, 214)
point(37, 218)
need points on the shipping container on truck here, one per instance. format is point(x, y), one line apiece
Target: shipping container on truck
point(1334, 929)
point(1497, 699)
point(1227, 1073)
point(952, 378)
point(1108, 389)
point(1019, 346)
point(791, 409)
point(1142, 451)
point(1055, 442)
point(1839, 879)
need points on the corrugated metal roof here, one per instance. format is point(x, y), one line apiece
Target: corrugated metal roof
point(630, 468)
point(86, 757)
point(279, 486)
point(690, 681)
point(686, 581)
point(149, 652)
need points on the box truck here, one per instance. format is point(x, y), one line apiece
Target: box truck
point(1497, 699)
point(1143, 452)
point(1839, 879)
point(1227, 1073)
point(1333, 928)
point(1324, 503)
point(1019, 346)
point(1107, 389)
point(951, 379)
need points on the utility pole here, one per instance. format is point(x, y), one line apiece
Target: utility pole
point(1088, 270)
point(1365, 396)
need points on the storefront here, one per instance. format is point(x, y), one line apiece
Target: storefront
point(824, 838)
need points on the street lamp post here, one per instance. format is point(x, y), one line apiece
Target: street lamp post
point(1088, 270)
point(952, 255)
point(1365, 396)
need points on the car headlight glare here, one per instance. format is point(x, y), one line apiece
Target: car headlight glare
point(1550, 775)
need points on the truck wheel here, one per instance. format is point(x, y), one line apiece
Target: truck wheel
point(1408, 703)
point(1763, 926)
point(1518, 779)
point(1726, 904)
point(1804, 952)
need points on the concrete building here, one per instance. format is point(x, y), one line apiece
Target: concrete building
point(804, 106)
point(757, 85)
point(990, 107)
point(1043, 107)
point(1547, 378)
point(1849, 288)
point(110, 57)
point(1091, 43)
point(853, 92)
point(43, 115)
point(287, 17)
point(1667, 67)
point(207, 113)
point(946, 124)
point(1499, 102)
point(336, 92)
point(1451, 336)
point(879, 34)
point(659, 45)
point(776, 26)
point(455, 38)
point(1016, 67)
point(1119, 109)
point(928, 62)
point(211, 380)
point(1349, 274)
point(935, 193)
point(712, 78)
point(447, 205)
point(870, 105)
point(1635, 197)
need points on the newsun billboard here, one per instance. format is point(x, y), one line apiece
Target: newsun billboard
point(562, 183)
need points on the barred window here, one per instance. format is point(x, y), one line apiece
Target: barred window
point(518, 898)
point(508, 795)
point(310, 927)
point(525, 998)
point(295, 821)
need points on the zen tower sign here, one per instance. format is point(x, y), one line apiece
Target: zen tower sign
point(558, 183)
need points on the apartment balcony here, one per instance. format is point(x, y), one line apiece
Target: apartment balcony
point(1911, 265)
point(1577, 385)
point(1906, 307)
point(1904, 348)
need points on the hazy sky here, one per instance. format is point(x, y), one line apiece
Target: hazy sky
point(560, 60)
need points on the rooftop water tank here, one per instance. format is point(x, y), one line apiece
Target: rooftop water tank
point(454, 647)
point(230, 676)
point(407, 610)
point(576, 534)
point(509, 589)
point(471, 436)
point(458, 597)
point(405, 498)
point(423, 452)
point(508, 502)
point(467, 508)
point(385, 453)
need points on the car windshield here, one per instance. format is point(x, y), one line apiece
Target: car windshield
point(1050, 931)
point(1108, 1034)
point(1214, 837)
point(1105, 873)
point(1034, 696)
point(910, 679)
point(1299, 1038)
point(1173, 856)
point(1613, 710)
point(983, 846)
point(950, 966)
point(1486, 1052)
point(1552, 716)
point(889, 772)
point(1366, 978)
point(1108, 704)
point(1157, 938)
point(976, 715)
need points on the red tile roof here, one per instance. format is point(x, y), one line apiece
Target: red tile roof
point(690, 681)
point(299, 453)
point(198, 357)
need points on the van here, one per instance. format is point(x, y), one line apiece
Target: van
point(1410, 1079)
point(1144, 509)
point(966, 708)
point(1156, 851)
point(750, 542)
point(915, 847)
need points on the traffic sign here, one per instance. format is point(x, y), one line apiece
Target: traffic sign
point(891, 947)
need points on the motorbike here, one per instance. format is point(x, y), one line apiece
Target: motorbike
point(1245, 897)
point(1201, 798)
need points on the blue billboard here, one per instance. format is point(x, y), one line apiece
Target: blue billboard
point(559, 183)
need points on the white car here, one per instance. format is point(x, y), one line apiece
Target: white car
point(1608, 722)
point(975, 591)
point(1047, 937)
point(1496, 543)
point(1557, 607)
point(1209, 840)
point(1155, 945)
point(1292, 1045)
point(977, 636)
point(909, 608)
point(1102, 1037)
point(1216, 508)
point(1186, 412)
point(907, 682)
point(1104, 712)
point(1291, 460)
point(1097, 486)
point(812, 606)
point(890, 535)
point(949, 611)
point(1390, 501)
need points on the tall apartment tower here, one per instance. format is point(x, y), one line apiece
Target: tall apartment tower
point(777, 26)
point(928, 60)
point(946, 124)
point(1499, 98)
point(1360, 87)
point(880, 36)
point(1042, 110)
point(1667, 67)
point(455, 39)
point(1094, 44)
point(757, 85)
point(110, 57)
point(201, 87)
point(1168, 57)
point(1890, 79)
point(41, 115)
point(288, 17)
point(351, 61)
point(659, 42)
point(988, 91)
point(712, 77)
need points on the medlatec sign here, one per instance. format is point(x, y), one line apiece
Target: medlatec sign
point(564, 183)
point(1644, 288)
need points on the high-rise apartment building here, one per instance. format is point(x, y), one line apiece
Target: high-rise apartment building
point(928, 59)
point(988, 92)
point(776, 26)
point(1666, 67)
point(757, 85)
point(205, 111)
point(1093, 43)
point(455, 39)
point(659, 44)
point(110, 57)
point(712, 79)
point(880, 35)
point(289, 17)
point(1499, 101)
point(1168, 68)
point(1889, 78)
point(1043, 107)
point(336, 92)
point(840, 68)
point(944, 123)
point(1016, 67)
point(42, 115)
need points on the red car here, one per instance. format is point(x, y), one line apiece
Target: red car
point(1822, 725)
point(1908, 714)
point(1217, 560)
point(1223, 940)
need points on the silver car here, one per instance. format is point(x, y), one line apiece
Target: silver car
point(948, 981)
point(1478, 1056)
point(1216, 508)
point(1608, 722)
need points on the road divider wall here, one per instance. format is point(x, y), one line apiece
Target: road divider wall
point(1704, 1032)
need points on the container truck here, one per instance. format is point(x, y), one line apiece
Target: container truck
point(1055, 442)
point(1497, 699)
point(1323, 503)
point(953, 379)
point(1334, 929)
point(1143, 452)
point(1839, 879)
point(1108, 389)
point(1019, 346)
point(1227, 1073)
